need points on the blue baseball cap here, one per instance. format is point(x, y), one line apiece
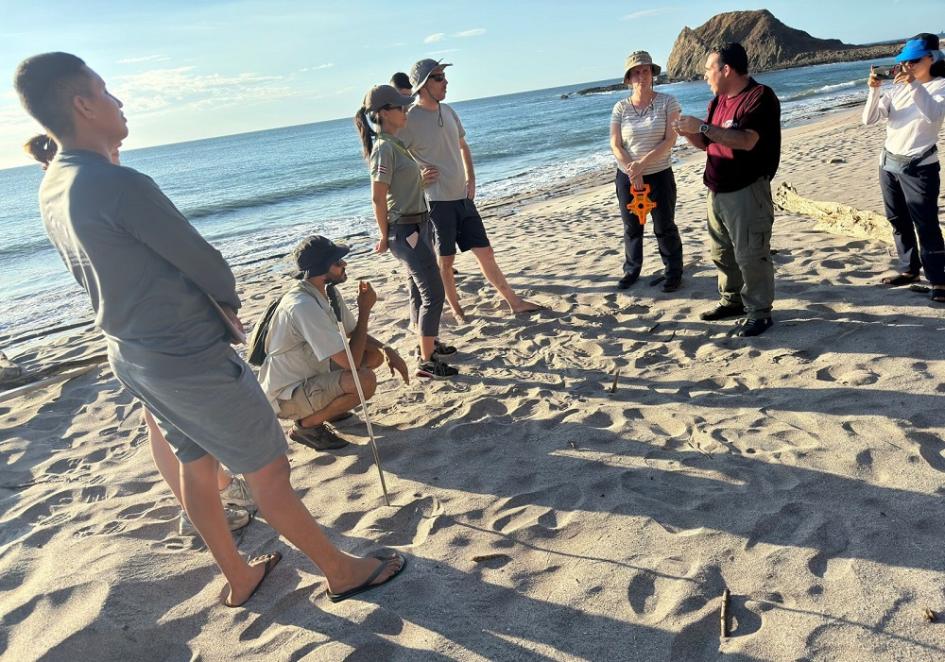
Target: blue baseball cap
point(918, 47)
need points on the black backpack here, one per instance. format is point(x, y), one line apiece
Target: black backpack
point(256, 345)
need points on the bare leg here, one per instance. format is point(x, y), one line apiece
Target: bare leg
point(286, 513)
point(490, 269)
point(202, 503)
point(166, 462)
point(346, 402)
point(449, 286)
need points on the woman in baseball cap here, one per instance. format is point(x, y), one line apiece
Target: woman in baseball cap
point(914, 109)
point(403, 219)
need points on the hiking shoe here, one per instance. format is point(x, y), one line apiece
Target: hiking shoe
point(236, 519)
point(749, 328)
point(435, 369)
point(439, 350)
point(627, 281)
point(319, 438)
point(721, 312)
point(672, 284)
point(237, 493)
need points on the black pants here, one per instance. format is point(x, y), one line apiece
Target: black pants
point(911, 203)
point(663, 193)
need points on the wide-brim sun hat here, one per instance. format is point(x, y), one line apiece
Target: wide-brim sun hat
point(314, 256)
point(639, 58)
point(917, 48)
point(420, 71)
point(384, 95)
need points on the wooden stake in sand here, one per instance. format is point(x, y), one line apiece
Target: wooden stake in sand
point(723, 615)
point(336, 306)
point(613, 387)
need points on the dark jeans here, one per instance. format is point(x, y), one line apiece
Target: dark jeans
point(663, 193)
point(423, 275)
point(911, 203)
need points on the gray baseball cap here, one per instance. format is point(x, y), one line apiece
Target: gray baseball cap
point(384, 95)
point(422, 70)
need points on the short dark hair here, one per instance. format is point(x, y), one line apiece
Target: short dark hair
point(46, 84)
point(733, 54)
point(400, 81)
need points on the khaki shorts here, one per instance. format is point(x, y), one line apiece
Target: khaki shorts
point(312, 395)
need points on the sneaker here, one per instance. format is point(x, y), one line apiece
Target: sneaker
point(749, 328)
point(236, 519)
point(319, 438)
point(439, 350)
point(627, 281)
point(435, 369)
point(722, 312)
point(237, 493)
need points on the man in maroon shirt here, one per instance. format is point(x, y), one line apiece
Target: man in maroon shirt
point(742, 140)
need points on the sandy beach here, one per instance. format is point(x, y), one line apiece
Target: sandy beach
point(544, 516)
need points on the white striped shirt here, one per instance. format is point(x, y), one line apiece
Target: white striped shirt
point(642, 129)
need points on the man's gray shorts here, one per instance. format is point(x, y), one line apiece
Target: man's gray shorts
point(207, 404)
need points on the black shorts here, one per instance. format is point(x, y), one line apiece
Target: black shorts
point(457, 223)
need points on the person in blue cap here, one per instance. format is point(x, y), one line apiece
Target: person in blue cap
point(914, 109)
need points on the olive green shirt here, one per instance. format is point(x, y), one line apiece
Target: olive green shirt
point(393, 165)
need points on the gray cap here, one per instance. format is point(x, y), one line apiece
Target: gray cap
point(422, 70)
point(384, 95)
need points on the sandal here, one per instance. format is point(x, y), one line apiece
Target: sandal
point(899, 280)
point(938, 295)
point(269, 561)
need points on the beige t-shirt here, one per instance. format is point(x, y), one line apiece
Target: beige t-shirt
point(432, 137)
point(303, 336)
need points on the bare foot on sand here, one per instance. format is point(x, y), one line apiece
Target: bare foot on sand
point(363, 574)
point(524, 307)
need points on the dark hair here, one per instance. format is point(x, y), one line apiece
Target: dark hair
point(46, 84)
point(367, 133)
point(930, 41)
point(400, 81)
point(42, 148)
point(733, 54)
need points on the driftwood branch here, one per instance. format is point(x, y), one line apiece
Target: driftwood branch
point(834, 217)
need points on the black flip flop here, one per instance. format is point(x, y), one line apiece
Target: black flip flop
point(938, 295)
point(270, 561)
point(368, 584)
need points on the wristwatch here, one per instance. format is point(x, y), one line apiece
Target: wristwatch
point(703, 128)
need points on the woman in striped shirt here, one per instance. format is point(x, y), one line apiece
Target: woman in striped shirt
point(642, 138)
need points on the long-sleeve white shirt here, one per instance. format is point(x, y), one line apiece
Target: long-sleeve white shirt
point(913, 112)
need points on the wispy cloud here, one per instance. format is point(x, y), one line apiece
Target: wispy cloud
point(475, 32)
point(318, 67)
point(144, 58)
point(435, 37)
point(647, 12)
point(184, 87)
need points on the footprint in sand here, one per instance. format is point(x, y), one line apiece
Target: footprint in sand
point(540, 513)
point(409, 525)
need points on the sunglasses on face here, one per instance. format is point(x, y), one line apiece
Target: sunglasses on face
point(439, 78)
point(390, 107)
point(915, 61)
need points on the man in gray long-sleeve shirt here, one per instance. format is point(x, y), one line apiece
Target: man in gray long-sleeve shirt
point(149, 275)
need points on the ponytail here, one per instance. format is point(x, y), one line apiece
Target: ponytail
point(365, 131)
point(42, 148)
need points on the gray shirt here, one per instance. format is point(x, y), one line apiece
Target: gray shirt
point(146, 269)
point(432, 137)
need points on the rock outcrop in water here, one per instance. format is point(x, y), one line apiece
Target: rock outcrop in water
point(769, 42)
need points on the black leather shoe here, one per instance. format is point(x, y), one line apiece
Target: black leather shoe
point(749, 328)
point(627, 281)
point(319, 438)
point(722, 313)
point(672, 284)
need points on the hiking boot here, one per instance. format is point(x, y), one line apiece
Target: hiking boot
point(627, 281)
point(749, 328)
point(721, 312)
point(319, 438)
point(671, 284)
point(236, 519)
point(435, 369)
point(237, 493)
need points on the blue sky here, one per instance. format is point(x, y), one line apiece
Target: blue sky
point(189, 70)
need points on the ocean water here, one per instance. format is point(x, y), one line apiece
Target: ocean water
point(255, 194)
